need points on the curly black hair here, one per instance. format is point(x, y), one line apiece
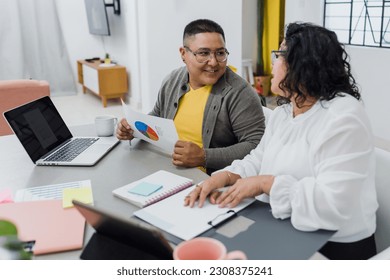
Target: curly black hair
point(317, 65)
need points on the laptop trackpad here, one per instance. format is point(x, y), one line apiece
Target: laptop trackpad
point(94, 151)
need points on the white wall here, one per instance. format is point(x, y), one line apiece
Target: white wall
point(147, 35)
point(74, 27)
point(370, 67)
point(146, 38)
point(81, 44)
point(249, 30)
point(162, 24)
point(304, 10)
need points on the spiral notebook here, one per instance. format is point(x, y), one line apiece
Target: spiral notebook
point(153, 188)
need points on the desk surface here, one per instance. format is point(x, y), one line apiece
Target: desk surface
point(122, 165)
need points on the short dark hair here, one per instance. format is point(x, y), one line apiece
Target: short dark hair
point(202, 26)
point(317, 65)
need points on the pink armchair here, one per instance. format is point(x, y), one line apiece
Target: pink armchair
point(17, 92)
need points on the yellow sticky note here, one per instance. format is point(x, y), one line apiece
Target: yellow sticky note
point(83, 194)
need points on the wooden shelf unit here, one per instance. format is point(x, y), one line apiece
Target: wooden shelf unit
point(106, 82)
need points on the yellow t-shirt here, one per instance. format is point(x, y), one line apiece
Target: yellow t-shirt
point(189, 116)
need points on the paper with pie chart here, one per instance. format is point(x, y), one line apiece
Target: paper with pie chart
point(155, 130)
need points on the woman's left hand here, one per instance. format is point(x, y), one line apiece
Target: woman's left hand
point(244, 188)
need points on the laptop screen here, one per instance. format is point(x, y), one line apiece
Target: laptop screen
point(39, 127)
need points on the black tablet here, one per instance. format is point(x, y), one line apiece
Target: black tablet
point(118, 238)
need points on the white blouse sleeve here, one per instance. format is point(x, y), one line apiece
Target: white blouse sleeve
point(250, 165)
point(341, 158)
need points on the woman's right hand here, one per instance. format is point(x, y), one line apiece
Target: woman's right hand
point(208, 188)
point(124, 131)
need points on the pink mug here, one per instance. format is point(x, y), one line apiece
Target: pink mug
point(205, 248)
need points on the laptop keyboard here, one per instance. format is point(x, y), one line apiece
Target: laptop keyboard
point(72, 149)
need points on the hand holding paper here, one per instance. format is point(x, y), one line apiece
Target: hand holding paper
point(157, 131)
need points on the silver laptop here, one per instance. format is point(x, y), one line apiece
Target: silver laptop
point(48, 141)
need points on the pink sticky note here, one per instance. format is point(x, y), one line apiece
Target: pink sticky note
point(6, 196)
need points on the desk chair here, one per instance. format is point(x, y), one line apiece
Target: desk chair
point(247, 71)
point(382, 182)
point(17, 92)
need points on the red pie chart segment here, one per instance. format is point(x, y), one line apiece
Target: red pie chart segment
point(146, 130)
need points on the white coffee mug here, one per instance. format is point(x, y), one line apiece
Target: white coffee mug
point(105, 125)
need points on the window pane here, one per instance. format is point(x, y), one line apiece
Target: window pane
point(367, 22)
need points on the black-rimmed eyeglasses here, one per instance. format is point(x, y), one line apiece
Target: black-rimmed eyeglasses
point(275, 55)
point(204, 55)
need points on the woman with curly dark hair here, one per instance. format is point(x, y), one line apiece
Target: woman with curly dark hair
point(317, 63)
point(315, 163)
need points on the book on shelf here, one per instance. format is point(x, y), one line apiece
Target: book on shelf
point(153, 188)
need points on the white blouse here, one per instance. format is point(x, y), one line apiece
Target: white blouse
point(324, 167)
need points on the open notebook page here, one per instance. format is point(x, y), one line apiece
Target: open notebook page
point(173, 217)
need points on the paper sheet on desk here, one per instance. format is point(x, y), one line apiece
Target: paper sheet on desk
point(171, 216)
point(157, 131)
point(47, 192)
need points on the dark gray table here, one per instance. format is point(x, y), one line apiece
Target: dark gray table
point(267, 238)
point(122, 165)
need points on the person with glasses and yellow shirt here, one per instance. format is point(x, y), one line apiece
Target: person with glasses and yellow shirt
point(217, 114)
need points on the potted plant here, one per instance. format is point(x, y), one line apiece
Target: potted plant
point(107, 59)
point(10, 246)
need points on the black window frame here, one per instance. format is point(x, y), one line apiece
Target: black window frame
point(372, 16)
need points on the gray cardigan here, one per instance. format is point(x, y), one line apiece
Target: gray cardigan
point(233, 121)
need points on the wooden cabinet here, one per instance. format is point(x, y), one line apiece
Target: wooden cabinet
point(106, 82)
